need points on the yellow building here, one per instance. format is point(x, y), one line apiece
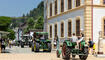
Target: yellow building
point(65, 17)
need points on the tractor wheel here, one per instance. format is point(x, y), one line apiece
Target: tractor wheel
point(22, 46)
point(73, 56)
point(57, 53)
point(65, 52)
point(49, 47)
point(37, 47)
point(84, 57)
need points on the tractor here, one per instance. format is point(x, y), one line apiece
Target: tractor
point(41, 42)
point(69, 48)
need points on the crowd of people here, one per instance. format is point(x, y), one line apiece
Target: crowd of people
point(77, 40)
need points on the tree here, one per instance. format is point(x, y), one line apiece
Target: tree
point(40, 22)
point(4, 23)
point(30, 23)
point(11, 34)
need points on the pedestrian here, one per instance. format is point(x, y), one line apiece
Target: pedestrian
point(94, 47)
point(90, 43)
point(55, 43)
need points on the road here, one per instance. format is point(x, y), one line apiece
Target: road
point(18, 53)
point(16, 49)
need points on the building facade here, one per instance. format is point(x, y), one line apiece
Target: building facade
point(65, 17)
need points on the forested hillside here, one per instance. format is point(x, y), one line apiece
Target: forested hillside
point(33, 16)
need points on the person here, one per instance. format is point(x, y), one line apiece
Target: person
point(81, 38)
point(9, 43)
point(94, 47)
point(55, 43)
point(74, 38)
point(3, 44)
point(90, 43)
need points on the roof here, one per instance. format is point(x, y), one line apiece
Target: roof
point(3, 32)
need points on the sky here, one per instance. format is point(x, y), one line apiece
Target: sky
point(16, 8)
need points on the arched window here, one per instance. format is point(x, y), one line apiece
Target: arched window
point(55, 30)
point(69, 29)
point(55, 7)
point(104, 27)
point(51, 9)
point(50, 31)
point(62, 29)
point(78, 27)
point(69, 4)
point(78, 3)
point(62, 5)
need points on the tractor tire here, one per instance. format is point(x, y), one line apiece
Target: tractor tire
point(85, 51)
point(73, 56)
point(65, 52)
point(37, 47)
point(22, 46)
point(57, 53)
point(49, 47)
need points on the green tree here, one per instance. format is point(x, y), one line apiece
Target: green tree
point(4, 23)
point(30, 23)
point(11, 34)
point(39, 24)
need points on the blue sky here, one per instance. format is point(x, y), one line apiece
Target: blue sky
point(16, 8)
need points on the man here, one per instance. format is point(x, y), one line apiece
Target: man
point(74, 38)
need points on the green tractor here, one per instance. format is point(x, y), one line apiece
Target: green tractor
point(69, 48)
point(41, 42)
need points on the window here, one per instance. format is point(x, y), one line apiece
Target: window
point(69, 4)
point(77, 27)
point(69, 29)
point(62, 29)
point(51, 9)
point(104, 27)
point(55, 30)
point(77, 3)
point(62, 5)
point(50, 31)
point(103, 1)
point(55, 7)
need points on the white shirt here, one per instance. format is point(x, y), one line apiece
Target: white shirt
point(81, 38)
point(74, 39)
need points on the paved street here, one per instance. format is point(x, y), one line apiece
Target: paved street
point(18, 53)
point(16, 49)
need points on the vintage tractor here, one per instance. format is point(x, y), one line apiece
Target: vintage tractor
point(69, 48)
point(41, 42)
